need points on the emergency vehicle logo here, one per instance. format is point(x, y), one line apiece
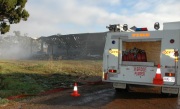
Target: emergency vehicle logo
point(114, 52)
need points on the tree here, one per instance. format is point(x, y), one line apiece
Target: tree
point(11, 12)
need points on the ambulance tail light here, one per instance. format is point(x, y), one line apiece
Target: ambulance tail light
point(141, 29)
point(170, 74)
point(112, 71)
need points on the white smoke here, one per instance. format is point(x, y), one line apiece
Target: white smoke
point(17, 47)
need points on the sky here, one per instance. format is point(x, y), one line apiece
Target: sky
point(50, 17)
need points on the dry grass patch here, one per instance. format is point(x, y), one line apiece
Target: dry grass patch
point(32, 77)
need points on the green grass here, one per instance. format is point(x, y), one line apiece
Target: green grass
point(3, 101)
point(32, 77)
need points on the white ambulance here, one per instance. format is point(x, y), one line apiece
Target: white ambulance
point(142, 57)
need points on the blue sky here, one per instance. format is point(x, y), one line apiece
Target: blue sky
point(49, 17)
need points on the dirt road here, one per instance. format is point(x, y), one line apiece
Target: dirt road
point(100, 96)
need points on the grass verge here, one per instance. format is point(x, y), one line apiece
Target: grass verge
point(32, 77)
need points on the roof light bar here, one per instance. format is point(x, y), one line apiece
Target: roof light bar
point(141, 29)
